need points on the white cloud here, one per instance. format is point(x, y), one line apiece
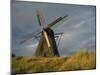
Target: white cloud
point(31, 45)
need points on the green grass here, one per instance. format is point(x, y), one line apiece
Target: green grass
point(81, 60)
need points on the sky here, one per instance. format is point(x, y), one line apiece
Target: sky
point(78, 28)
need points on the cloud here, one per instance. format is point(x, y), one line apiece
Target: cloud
point(27, 49)
point(32, 46)
point(80, 34)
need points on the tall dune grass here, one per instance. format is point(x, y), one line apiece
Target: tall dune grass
point(81, 60)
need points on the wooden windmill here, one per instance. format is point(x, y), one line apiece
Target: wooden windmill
point(47, 45)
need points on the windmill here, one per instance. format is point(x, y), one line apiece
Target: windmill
point(47, 46)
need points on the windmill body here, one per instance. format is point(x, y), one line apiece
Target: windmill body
point(43, 49)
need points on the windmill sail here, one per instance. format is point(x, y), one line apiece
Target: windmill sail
point(42, 23)
point(56, 21)
point(30, 36)
point(47, 46)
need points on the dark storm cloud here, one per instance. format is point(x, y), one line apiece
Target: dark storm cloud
point(78, 28)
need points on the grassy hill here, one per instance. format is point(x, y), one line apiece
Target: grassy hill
point(81, 60)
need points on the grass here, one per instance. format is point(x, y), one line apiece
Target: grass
point(81, 60)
